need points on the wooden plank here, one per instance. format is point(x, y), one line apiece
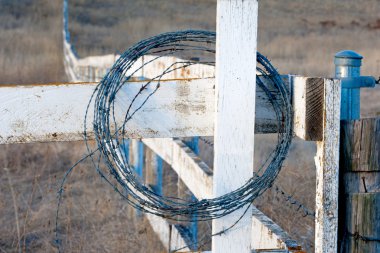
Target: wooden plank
point(327, 163)
point(70, 62)
point(193, 172)
point(236, 45)
point(198, 177)
point(361, 145)
point(156, 65)
point(266, 235)
point(153, 169)
point(169, 235)
point(359, 166)
point(360, 182)
point(308, 95)
point(363, 218)
point(56, 112)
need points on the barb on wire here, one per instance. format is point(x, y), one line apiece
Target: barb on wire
point(206, 141)
point(297, 204)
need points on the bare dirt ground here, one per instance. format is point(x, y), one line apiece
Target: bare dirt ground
point(299, 37)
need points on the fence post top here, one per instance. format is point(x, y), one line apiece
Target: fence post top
point(348, 58)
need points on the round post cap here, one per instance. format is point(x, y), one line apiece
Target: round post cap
point(348, 58)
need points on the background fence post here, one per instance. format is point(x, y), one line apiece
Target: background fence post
point(347, 64)
point(137, 160)
point(359, 161)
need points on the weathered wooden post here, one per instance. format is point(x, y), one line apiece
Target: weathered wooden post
point(360, 183)
point(327, 176)
point(359, 213)
point(235, 91)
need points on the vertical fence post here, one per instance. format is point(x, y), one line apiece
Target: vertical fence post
point(359, 214)
point(193, 144)
point(153, 171)
point(194, 224)
point(137, 159)
point(347, 64)
point(158, 186)
point(236, 45)
point(359, 163)
point(66, 32)
point(327, 178)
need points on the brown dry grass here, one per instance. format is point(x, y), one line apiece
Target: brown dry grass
point(30, 42)
point(92, 217)
point(299, 37)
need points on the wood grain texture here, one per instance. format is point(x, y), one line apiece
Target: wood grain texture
point(360, 182)
point(360, 146)
point(236, 45)
point(327, 163)
point(363, 218)
point(308, 101)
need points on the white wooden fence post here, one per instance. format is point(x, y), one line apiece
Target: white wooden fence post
point(235, 115)
point(327, 163)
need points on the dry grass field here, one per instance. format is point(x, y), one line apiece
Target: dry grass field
point(300, 37)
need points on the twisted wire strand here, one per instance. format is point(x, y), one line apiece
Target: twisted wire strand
point(294, 202)
point(110, 135)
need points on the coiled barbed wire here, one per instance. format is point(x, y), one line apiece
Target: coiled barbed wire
point(110, 134)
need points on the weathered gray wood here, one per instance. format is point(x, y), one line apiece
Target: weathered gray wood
point(363, 219)
point(327, 163)
point(361, 145)
point(360, 183)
